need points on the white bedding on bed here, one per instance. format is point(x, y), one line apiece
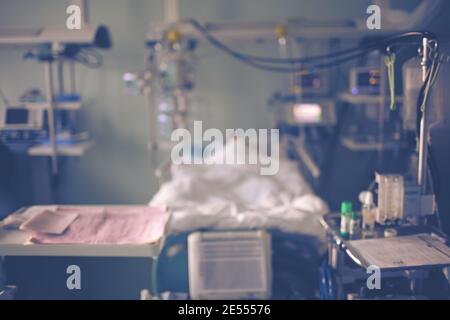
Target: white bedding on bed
point(238, 197)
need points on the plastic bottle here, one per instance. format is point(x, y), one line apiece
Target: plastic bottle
point(346, 211)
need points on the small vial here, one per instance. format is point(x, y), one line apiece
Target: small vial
point(368, 218)
point(355, 224)
point(368, 213)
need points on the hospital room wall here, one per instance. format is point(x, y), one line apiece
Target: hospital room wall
point(119, 169)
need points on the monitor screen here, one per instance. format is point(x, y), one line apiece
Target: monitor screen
point(369, 78)
point(17, 116)
point(307, 112)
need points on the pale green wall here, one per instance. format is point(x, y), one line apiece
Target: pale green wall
point(119, 168)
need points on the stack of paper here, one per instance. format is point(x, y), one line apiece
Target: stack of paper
point(106, 225)
point(418, 250)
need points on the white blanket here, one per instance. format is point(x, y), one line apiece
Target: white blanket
point(238, 197)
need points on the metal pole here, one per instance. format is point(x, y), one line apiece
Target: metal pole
point(423, 137)
point(51, 116)
point(153, 119)
point(72, 77)
point(60, 65)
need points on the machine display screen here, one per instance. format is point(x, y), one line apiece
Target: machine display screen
point(369, 78)
point(307, 112)
point(17, 116)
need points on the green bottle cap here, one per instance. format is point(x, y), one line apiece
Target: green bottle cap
point(346, 207)
point(355, 215)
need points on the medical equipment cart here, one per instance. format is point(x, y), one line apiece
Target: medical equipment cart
point(346, 272)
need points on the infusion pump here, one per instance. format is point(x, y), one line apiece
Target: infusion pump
point(21, 118)
point(20, 125)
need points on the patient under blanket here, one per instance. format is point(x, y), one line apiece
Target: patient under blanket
point(213, 196)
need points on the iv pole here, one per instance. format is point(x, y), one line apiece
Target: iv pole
point(423, 135)
point(50, 92)
point(51, 115)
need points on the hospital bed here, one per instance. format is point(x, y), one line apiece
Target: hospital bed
point(223, 196)
point(214, 197)
point(211, 197)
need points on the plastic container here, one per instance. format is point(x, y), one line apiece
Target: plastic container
point(354, 224)
point(390, 198)
point(346, 212)
point(368, 213)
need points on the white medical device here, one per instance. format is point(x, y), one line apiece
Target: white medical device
point(230, 265)
point(21, 118)
point(400, 200)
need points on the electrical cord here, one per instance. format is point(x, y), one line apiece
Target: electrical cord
point(251, 60)
point(390, 64)
point(216, 42)
point(376, 45)
point(424, 92)
point(349, 54)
